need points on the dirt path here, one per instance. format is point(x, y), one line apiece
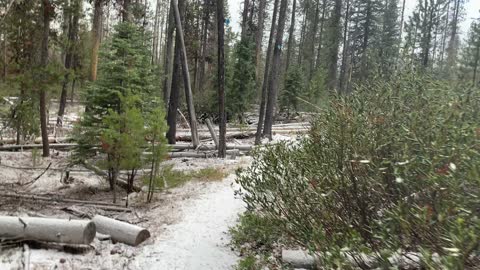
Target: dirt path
point(199, 240)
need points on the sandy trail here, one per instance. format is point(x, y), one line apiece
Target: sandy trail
point(200, 239)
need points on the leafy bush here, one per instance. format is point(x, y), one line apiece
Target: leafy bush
point(392, 168)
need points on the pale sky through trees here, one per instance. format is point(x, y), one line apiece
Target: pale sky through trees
point(472, 8)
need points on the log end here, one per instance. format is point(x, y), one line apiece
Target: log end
point(142, 236)
point(89, 232)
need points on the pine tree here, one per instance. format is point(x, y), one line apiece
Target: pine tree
point(124, 95)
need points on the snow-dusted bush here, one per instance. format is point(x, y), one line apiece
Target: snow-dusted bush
point(393, 168)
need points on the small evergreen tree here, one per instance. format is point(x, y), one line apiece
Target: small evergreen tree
point(293, 89)
point(119, 104)
point(242, 87)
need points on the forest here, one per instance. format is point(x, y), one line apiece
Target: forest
point(253, 134)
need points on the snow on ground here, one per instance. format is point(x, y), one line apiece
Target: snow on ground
point(189, 224)
point(200, 240)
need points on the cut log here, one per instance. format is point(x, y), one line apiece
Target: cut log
point(121, 231)
point(48, 229)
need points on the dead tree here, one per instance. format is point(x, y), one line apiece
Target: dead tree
point(96, 36)
point(221, 79)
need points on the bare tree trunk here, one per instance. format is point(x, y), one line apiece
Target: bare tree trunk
point(174, 95)
point(302, 37)
point(320, 37)
point(186, 75)
point(259, 39)
point(96, 36)
point(275, 74)
point(402, 18)
point(346, 45)
point(4, 58)
point(314, 34)
point(222, 149)
point(203, 51)
point(335, 45)
point(156, 30)
point(452, 47)
point(47, 10)
point(246, 4)
point(268, 59)
point(69, 56)
point(167, 80)
point(290, 36)
point(475, 68)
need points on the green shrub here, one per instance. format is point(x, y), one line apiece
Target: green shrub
point(393, 167)
point(258, 231)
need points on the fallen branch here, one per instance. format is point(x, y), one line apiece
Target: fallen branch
point(38, 177)
point(96, 204)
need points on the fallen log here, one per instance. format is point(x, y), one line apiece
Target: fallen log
point(48, 229)
point(181, 146)
point(96, 204)
point(121, 231)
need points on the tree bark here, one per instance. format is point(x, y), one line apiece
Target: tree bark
point(47, 9)
point(290, 36)
point(452, 49)
point(245, 30)
point(203, 51)
point(96, 36)
point(259, 39)
point(263, 99)
point(222, 149)
point(335, 45)
point(186, 74)
point(346, 46)
point(4, 58)
point(156, 30)
point(174, 96)
point(69, 56)
point(314, 34)
point(275, 74)
point(320, 37)
point(121, 231)
point(67, 231)
point(167, 80)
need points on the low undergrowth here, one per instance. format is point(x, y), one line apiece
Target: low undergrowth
point(170, 178)
point(391, 171)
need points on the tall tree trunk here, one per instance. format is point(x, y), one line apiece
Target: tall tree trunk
point(4, 56)
point(259, 39)
point(222, 148)
point(156, 30)
point(245, 25)
point(174, 95)
point(127, 15)
point(366, 40)
point(268, 59)
point(47, 10)
point(275, 74)
point(402, 19)
point(186, 74)
point(167, 80)
point(320, 37)
point(203, 52)
point(452, 46)
point(475, 68)
point(314, 35)
point(96, 36)
point(346, 46)
point(332, 57)
point(69, 55)
point(302, 36)
point(290, 36)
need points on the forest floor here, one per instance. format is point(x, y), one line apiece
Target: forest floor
point(188, 224)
